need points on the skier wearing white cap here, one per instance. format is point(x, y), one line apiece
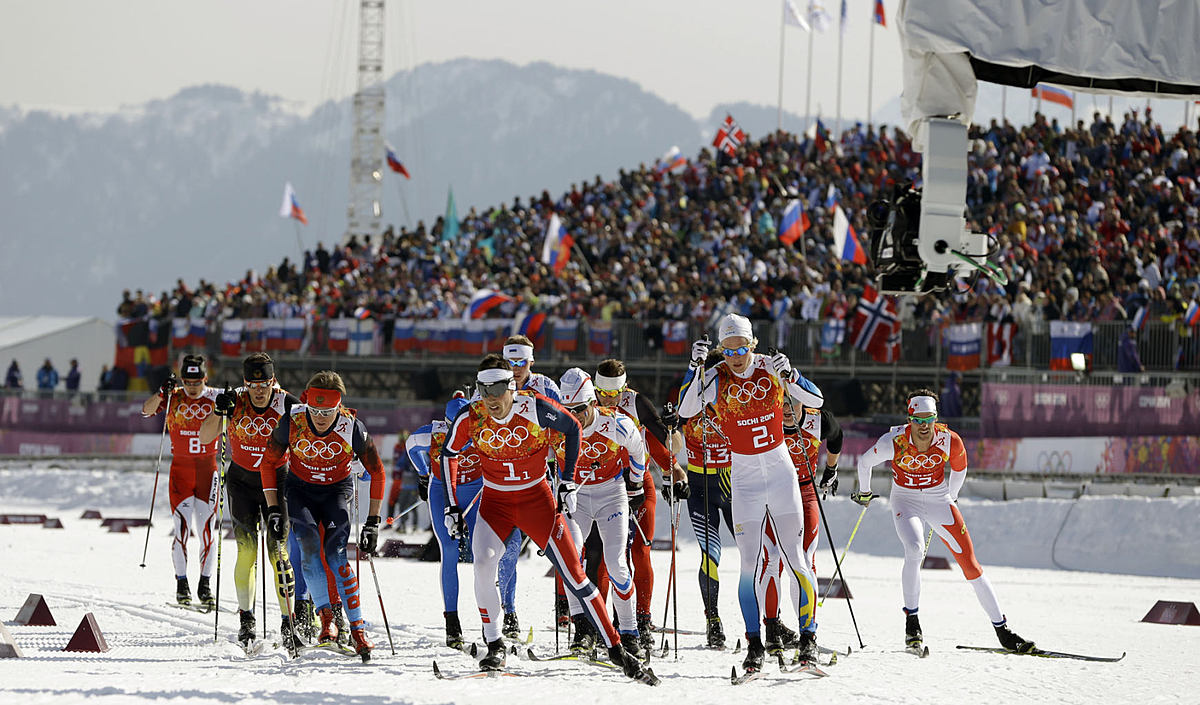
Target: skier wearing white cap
point(747, 391)
point(609, 474)
point(923, 492)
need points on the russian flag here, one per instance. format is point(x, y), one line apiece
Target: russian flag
point(475, 337)
point(1054, 95)
point(291, 207)
point(339, 334)
point(675, 334)
point(1139, 320)
point(362, 313)
point(394, 162)
point(231, 337)
point(673, 159)
point(531, 327)
point(180, 332)
point(1192, 317)
point(963, 342)
point(293, 333)
point(1067, 337)
point(556, 249)
point(845, 241)
point(878, 17)
point(566, 334)
point(403, 338)
point(795, 222)
point(197, 332)
point(600, 338)
point(483, 301)
point(274, 333)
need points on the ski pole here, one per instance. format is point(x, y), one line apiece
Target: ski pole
point(837, 564)
point(261, 562)
point(382, 609)
point(157, 468)
point(928, 539)
point(844, 550)
point(220, 482)
point(405, 513)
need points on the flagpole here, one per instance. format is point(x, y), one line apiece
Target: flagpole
point(841, 35)
point(808, 83)
point(1073, 110)
point(299, 240)
point(782, 26)
point(1003, 105)
point(871, 70)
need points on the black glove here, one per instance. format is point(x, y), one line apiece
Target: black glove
point(637, 495)
point(368, 535)
point(829, 479)
point(423, 487)
point(276, 529)
point(862, 498)
point(455, 523)
point(223, 404)
point(677, 491)
point(567, 499)
point(169, 385)
point(670, 416)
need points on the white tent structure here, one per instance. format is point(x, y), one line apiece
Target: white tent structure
point(31, 339)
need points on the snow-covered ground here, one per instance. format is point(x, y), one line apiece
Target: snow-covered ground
point(161, 653)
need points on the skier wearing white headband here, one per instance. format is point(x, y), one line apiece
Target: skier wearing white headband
point(924, 493)
point(518, 352)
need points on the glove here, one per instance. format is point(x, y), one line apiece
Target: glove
point(276, 529)
point(455, 523)
point(829, 479)
point(700, 352)
point(223, 404)
point(423, 487)
point(368, 535)
point(676, 491)
point(169, 385)
point(670, 416)
point(862, 498)
point(567, 500)
point(636, 492)
point(782, 366)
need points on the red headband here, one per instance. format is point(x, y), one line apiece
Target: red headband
point(321, 398)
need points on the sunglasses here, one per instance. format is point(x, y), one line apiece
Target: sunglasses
point(736, 352)
point(922, 419)
point(323, 413)
point(518, 363)
point(579, 409)
point(610, 393)
point(192, 382)
point(494, 389)
point(259, 385)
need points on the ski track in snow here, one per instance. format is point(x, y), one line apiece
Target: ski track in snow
point(163, 654)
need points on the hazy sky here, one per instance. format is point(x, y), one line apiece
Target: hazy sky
point(101, 54)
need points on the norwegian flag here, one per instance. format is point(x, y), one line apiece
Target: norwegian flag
point(876, 326)
point(729, 136)
point(1000, 337)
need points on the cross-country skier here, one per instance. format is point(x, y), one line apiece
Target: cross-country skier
point(924, 493)
point(612, 390)
point(518, 351)
point(609, 473)
point(253, 411)
point(747, 391)
point(323, 437)
point(193, 475)
point(511, 430)
point(424, 448)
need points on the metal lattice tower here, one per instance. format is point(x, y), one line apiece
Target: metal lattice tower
point(367, 143)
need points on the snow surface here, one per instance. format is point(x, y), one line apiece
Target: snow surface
point(160, 653)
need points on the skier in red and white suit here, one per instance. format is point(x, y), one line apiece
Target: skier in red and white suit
point(512, 432)
point(193, 480)
point(610, 474)
point(922, 492)
point(747, 391)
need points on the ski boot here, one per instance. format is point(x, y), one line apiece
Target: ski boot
point(339, 616)
point(287, 636)
point(645, 632)
point(789, 638)
point(773, 641)
point(361, 644)
point(912, 631)
point(246, 631)
point(306, 629)
point(584, 640)
point(495, 658)
point(183, 593)
point(454, 637)
point(806, 647)
point(714, 633)
point(329, 630)
point(753, 662)
point(631, 666)
point(512, 627)
point(629, 641)
point(562, 611)
point(1009, 639)
point(204, 593)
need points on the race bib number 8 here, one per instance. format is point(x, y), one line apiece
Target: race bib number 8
point(194, 446)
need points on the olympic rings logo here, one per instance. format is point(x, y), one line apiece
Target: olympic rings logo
point(745, 392)
point(466, 461)
point(920, 462)
point(503, 437)
point(593, 451)
point(255, 426)
point(317, 449)
point(800, 444)
point(191, 412)
point(1054, 462)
